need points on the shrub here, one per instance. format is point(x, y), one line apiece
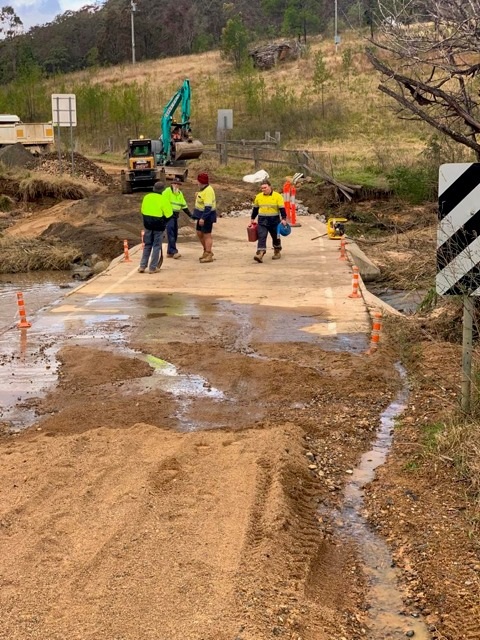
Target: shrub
point(414, 184)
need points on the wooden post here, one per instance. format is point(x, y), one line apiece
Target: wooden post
point(467, 353)
point(256, 161)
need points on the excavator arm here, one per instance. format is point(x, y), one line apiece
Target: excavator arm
point(182, 96)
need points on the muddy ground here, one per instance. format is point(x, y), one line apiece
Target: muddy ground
point(118, 521)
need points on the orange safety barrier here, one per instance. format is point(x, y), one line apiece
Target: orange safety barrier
point(355, 284)
point(376, 330)
point(293, 205)
point(23, 324)
point(125, 251)
point(286, 198)
point(143, 238)
point(343, 251)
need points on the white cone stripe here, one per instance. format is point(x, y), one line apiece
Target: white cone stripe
point(459, 266)
point(449, 173)
point(458, 216)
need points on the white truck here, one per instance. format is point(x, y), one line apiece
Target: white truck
point(36, 137)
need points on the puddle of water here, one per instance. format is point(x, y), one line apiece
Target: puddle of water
point(385, 614)
point(26, 373)
point(108, 320)
point(167, 377)
point(185, 386)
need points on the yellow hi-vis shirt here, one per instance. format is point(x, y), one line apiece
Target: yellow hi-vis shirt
point(206, 198)
point(156, 205)
point(177, 199)
point(269, 205)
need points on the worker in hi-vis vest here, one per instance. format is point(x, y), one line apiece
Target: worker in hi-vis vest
point(178, 202)
point(156, 211)
point(270, 209)
point(205, 213)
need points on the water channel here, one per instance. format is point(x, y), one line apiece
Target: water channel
point(386, 613)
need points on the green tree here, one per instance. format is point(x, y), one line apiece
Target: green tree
point(300, 17)
point(10, 26)
point(10, 23)
point(234, 41)
point(321, 75)
point(29, 85)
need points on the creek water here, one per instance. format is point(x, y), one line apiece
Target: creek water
point(39, 288)
point(406, 302)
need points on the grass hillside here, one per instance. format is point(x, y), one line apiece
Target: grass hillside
point(326, 102)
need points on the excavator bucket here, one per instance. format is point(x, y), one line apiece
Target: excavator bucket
point(188, 150)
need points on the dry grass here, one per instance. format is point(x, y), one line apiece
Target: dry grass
point(6, 203)
point(36, 186)
point(460, 441)
point(372, 123)
point(19, 256)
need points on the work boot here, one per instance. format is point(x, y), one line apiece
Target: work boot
point(258, 257)
point(204, 255)
point(207, 258)
point(277, 254)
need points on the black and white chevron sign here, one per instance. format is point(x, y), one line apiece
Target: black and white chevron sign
point(458, 235)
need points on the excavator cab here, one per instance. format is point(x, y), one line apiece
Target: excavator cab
point(141, 171)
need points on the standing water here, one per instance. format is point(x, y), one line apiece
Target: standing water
point(39, 288)
point(27, 360)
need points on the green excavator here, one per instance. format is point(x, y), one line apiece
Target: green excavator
point(149, 159)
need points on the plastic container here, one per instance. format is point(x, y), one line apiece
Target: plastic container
point(252, 232)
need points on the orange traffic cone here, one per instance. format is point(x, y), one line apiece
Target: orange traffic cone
point(355, 283)
point(286, 198)
point(376, 330)
point(125, 251)
point(23, 324)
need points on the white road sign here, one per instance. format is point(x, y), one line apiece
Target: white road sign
point(64, 109)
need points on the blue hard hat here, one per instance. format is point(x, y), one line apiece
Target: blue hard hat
point(284, 229)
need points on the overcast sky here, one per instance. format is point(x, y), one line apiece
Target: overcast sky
point(33, 12)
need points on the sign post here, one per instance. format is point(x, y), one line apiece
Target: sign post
point(64, 114)
point(224, 122)
point(458, 250)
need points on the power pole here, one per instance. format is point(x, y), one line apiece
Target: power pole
point(336, 39)
point(133, 8)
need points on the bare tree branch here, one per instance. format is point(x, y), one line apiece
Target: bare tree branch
point(426, 52)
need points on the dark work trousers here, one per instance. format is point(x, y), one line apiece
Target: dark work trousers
point(172, 235)
point(268, 225)
point(152, 249)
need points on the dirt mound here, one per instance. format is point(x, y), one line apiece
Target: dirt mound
point(82, 167)
point(90, 239)
point(16, 155)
